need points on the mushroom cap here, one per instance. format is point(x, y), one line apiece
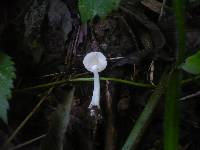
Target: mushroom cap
point(95, 61)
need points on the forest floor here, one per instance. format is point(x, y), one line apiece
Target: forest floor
point(47, 42)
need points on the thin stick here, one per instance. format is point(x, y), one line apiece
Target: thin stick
point(27, 142)
point(190, 96)
point(162, 10)
point(27, 118)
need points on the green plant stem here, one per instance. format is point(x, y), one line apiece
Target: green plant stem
point(145, 117)
point(171, 112)
point(128, 82)
point(180, 27)
point(186, 81)
point(171, 121)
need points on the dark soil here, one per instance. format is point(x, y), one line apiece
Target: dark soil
point(47, 42)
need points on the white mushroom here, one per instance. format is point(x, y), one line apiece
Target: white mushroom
point(95, 62)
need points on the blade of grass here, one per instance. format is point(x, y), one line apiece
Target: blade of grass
point(128, 82)
point(145, 117)
point(137, 84)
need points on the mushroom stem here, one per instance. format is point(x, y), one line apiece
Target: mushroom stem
point(96, 91)
point(95, 62)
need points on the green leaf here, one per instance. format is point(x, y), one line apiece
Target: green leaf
point(90, 8)
point(7, 74)
point(192, 64)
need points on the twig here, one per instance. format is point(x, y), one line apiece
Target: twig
point(190, 96)
point(27, 118)
point(27, 142)
point(162, 10)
